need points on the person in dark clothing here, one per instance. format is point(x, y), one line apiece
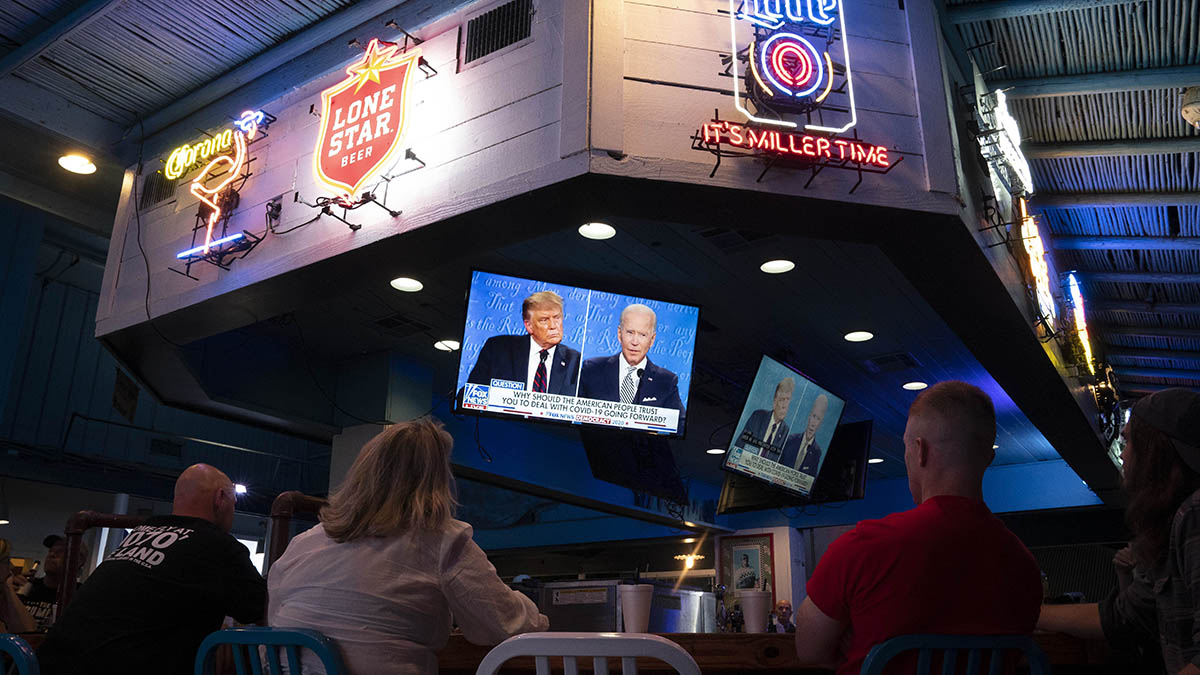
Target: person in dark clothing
point(169, 584)
point(40, 595)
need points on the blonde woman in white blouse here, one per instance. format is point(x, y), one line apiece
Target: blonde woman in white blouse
point(388, 566)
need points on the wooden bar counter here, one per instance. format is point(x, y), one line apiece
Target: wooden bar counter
point(729, 653)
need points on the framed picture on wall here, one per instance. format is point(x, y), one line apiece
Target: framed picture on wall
point(745, 562)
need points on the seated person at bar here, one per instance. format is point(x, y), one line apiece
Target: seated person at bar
point(1161, 476)
point(629, 376)
point(41, 595)
point(946, 566)
point(14, 617)
point(388, 567)
point(169, 584)
point(539, 360)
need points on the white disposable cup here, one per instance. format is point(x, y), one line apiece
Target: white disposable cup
point(635, 606)
point(756, 605)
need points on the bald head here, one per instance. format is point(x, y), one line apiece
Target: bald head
point(948, 440)
point(204, 491)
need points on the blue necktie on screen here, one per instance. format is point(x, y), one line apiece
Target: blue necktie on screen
point(539, 378)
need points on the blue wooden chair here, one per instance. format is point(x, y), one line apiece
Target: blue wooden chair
point(21, 653)
point(246, 641)
point(949, 648)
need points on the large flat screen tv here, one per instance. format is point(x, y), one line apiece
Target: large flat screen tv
point(538, 350)
point(785, 428)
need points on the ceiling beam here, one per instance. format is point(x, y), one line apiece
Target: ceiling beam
point(1140, 277)
point(1122, 148)
point(1139, 388)
point(1094, 199)
point(1143, 307)
point(35, 47)
point(39, 107)
point(93, 219)
point(1139, 331)
point(1095, 243)
point(1177, 373)
point(1152, 354)
point(315, 35)
point(1172, 77)
point(1009, 9)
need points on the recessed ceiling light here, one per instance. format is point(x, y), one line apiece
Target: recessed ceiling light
point(689, 540)
point(447, 345)
point(407, 284)
point(915, 386)
point(715, 451)
point(597, 231)
point(777, 266)
point(77, 164)
point(995, 446)
point(875, 460)
point(858, 336)
point(239, 488)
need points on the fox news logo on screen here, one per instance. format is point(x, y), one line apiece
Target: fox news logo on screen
point(475, 396)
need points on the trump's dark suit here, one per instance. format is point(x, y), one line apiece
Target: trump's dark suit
point(658, 387)
point(756, 427)
point(506, 357)
point(811, 461)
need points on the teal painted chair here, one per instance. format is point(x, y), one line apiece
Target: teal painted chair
point(952, 649)
point(246, 641)
point(21, 654)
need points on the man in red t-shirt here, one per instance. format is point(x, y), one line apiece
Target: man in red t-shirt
point(946, 566)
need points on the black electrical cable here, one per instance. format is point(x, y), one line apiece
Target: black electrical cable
point(137, 216)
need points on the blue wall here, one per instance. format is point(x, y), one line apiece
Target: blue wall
point(51, 366)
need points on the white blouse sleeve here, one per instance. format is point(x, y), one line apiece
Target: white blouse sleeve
point(487, 611)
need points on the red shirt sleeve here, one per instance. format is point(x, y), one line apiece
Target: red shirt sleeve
point(829, 588)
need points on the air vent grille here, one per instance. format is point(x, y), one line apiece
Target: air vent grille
point(156, 189)
point(498, 28)
point(890, 363)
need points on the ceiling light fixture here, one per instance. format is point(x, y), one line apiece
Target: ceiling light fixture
point(239, 488)
point(995, 447)
point(875, 460)
point(715, 451)
point(447, 345)
point(597, 231)
point(407, 284)
point(77, 164)
point(689, 559)
point(777, 266)
point(858, 336)
point(689, 540)
point(914, 386)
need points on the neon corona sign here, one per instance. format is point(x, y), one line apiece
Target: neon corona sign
point(1037, 262)
point(795, 65)
point(226, 169)
point(800, 146)
point(363, 119)
point(1080, 320)
point(183, 158)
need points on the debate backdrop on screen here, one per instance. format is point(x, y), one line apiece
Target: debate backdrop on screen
point(590, 321)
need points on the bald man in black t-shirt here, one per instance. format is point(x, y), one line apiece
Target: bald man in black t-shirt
point(168, 585)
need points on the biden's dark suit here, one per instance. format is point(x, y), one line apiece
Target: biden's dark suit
point(658, 387)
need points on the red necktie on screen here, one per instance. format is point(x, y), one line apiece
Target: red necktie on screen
point(539, 378)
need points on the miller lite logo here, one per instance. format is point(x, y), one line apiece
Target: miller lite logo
point(363, 118)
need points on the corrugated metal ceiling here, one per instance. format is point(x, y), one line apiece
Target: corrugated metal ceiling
point(144, 54)
point(1110, 39)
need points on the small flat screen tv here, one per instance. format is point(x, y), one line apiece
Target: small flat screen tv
point(538, 350)
point(783, 434)
point(843, 477)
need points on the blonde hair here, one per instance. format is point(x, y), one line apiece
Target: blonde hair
point(541, 300)
point(401, 481)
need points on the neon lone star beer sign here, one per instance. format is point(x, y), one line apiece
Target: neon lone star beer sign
point(363, 119)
